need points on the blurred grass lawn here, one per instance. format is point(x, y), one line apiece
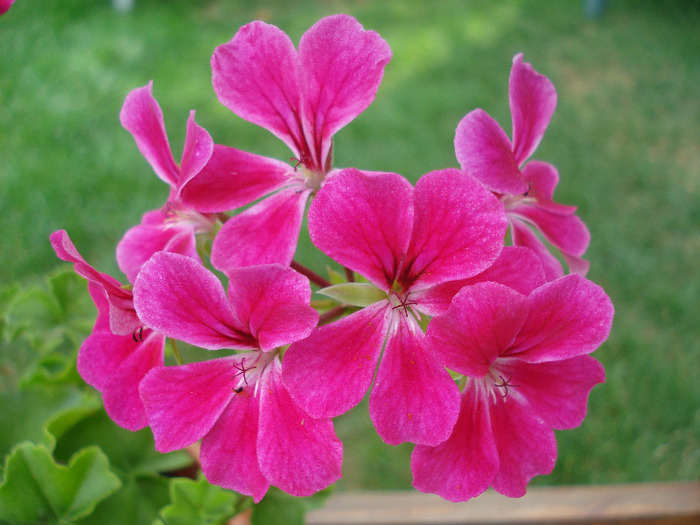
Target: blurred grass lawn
point(624, 137)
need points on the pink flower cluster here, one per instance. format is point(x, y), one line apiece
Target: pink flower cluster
point(472, 350)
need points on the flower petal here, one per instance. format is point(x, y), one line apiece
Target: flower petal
point(566, 232)
point(458, 229)
point(233, 178)
point(414, 398)
point(256, 75)
point(265, 233)
point(142, 117)
point(341, 68)
point(273, 302)
point(543, 178)
point(229, 453)
point(178, 297)
point(198, 149)
point(463, 466)
point(568, 317)
point(330, 371)
point(523, 236)
point(482, 320)
point(484, 151)
point(297, 453)
point(364, 222)
point(532, 103)
point(183, 402)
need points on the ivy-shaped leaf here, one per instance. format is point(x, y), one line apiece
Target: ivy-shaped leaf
point(197, 502)
point(38, 490)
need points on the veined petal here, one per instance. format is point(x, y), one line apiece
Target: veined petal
point(557, 391)
point(183, 402)
point(273, 302)
point(330, 371)
point(458, 229)
point(364, 222)
point(229, 453)
point(265, 233)
point(256, 76)
point(566, 232)
point(414, 398)
point(482, 321)
point(341, 68)
point(544, 178)
point(297, 453)
point(198, 149)
point(532, 102)
point(178, 297)
point(142, 117)
point(463, 466)
point(570, 316)
point(233, 178)
point(523, 236)
point(484, 151)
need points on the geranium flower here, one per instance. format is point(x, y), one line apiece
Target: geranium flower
point(406, 242)
point(303, 98)
point(252, 432)
point(174, 227)
point(485, 152)
point(5, 6)
point(526, 370)
point(120, 350)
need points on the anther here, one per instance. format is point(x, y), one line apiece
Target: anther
point(137, 335)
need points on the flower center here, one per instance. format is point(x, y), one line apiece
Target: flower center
point(249, 369)
point(501, 383)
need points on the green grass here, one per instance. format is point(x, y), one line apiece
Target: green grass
point(624, 137)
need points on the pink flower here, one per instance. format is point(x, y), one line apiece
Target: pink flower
point(252, 433)
point(120, 350)
point(5, 6)
point(174, 227)
point(303, 98)
point(407, 243)
point(526, 372)
point(485, 152)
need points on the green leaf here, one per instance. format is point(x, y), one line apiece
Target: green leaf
point(37, 489)
point(197, 502)
point(279, 508)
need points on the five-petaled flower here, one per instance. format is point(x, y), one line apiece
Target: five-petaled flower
point(526, 189)
point(526, 372)
point(252, 433)
point(303, 98)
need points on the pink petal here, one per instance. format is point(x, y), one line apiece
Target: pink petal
point(568, 317)
point(256, 76)
point(483, 319)
point(576, 264)
point(364, 222)
point(463, 466)
point(566, 232)
point(484, 151)
point(414, 398)
point(523, 236)
point(273, 302)
point(142, 117)
point(532, 103)
point(341, 68)
point(458, 229)
point(141, 242)
point(122, 317)
point(183, 402)
point(297, 453)
point(544, 178)
point(525, 443)
point(229, 453)
point(198, 149)
point(233, 178)
point(558, 391)
point(178, 297)
point(265, 233)
point(330, 371)
point(516, 267)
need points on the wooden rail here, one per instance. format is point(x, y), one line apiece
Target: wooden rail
point(646, 504)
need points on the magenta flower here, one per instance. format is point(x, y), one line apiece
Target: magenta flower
point(5, 6)
point(303, 98)
point(174, 227)
point(252, 432)
point(120, 350)
point(526, 372)
point(406, 242)
point(485, 152)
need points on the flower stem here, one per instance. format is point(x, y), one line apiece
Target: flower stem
point(313, 276)
point(176, 352)
point(349, 274)
point(331, 315)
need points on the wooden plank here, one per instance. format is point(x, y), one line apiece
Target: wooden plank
point(645, 503)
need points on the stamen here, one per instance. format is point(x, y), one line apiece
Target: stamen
point(504, 384)
point(137, 338)
point(241, 366)
point(404, 303)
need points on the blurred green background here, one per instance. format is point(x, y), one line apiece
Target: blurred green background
point(624, 137)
